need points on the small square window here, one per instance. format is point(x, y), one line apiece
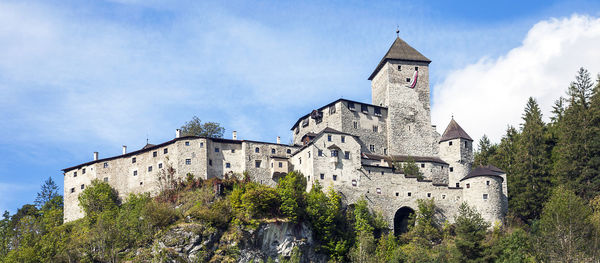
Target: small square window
point(329, 137)
point(149, 168)
point(372, 148)
point(320, 152)
point(188, 161)
point(343, 138)
point(451, 169)
point(322, 176)
point(364, 108)
point(422, 165)
point(135, 173)
point(399, 67)
point(217, 150)
point(378, 191)
point(280, 165)
point(416, 68)
point(335, 177)
point(397, 194)
point(159, 165)
point(334, 153)
point(468, 185)
point(210, 162)
point(82, 186)
point(106, 165)
point(457, 185)
point(227, 165)
point(354, 183)
point(133, 160)
point(346, 155)
point(443, 196)
point(273, 151)
point(375, 128)
point(83, 171)
point(428, 195)
point(141, 183)
point(382, 172)
point(201, 145)
point(256, 150)
point(187, 143)
point(257, 163)
point(154, 154)
point(73, 190)
point(355, 124)
point(487, 182)
point(377, 111)
point(289, 151)
point(450, 143)
point(351, 106)
point(105, 179)
point(409, 194)
point(485, 196)
point(166, 150)
point(332, 109)
point(232, 150)
point(407, 79)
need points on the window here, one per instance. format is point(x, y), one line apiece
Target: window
point(257, 163)
point(332, 109)
point(320, 153)
point(364, 108)
point(375, 128)
point(273, 151)
point(378, 190)
point(335, 177)
point(346, 155)
point(397, 194)
point(485, 196)
point(422, 165)
point(141, 183)
point(416, 68)
point(271, 164)
point(82, 186)
point(329, 137)
point(407, 79)
point(468, 185)
point(450, 143)
point(201, 145)
point(308, 177)
point(256, 150)
point(309, 154)
point(133, 160)
point(399, 67)
point(385, 151)
point(106, 165)
point(187, 143)
point(83, 171)
point(351, 106)
point(428, 195)
point(300, 160)
point(382, 172)
point(159, 165)
point(232, 150)
point(297, 130)
point(343, 139)
point(227, 165)
point(73, 190)
point(149, 168)
point(289, 151)
point(334, 153)
point(443, 196)
point(372, 147)
point(451, 169)
point(154, 154)
point(322, 176)
point(355, 124)
point(166, 150)
point(216, 149)
point(135, 173)
point(210, 162)
point(105, 179)
point(377, 111)
point(466, 144)
point(354, 183)
point(188, 161)
point(409, 194)
point(487, 182)
point(457, 185)
point(280, 165)
point(369, 171)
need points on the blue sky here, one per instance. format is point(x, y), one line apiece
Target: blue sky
point(84, 76)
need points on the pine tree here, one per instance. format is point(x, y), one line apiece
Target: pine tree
point(49, 190)
point(485, 151)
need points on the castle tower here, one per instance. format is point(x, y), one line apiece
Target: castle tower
point(484, 188)
point(456, 148)
point(400, 82)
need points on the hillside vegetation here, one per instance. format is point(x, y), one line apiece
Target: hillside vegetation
point(554, 211)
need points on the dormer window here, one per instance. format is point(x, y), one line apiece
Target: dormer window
point(364, 108)
point(351, 106)
point(332, 109)
point(305, 122)
point(377, 111)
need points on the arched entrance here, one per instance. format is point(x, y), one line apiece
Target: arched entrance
point(402, 220)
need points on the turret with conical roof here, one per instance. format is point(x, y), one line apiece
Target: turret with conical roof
point(456, 148)
point(400, 82)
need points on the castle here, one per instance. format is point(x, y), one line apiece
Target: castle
point(354, 146)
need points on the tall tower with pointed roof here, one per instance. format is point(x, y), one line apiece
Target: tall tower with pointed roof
point(400, 82)
point(456, 148)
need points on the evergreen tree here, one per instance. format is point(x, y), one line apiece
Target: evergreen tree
point(485, 151)
point(470, 233)
point(49, 190)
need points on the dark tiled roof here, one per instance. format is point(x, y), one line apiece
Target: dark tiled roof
point(400, 50)
point(454, 131)
point(147, 146)
point(332, 103)
point(405, 158)
point(488, 170)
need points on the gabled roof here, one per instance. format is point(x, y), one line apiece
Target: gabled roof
point(331, 104)
point(400, 50)
point(147, 146)
point(488, 170)
point(454, 131)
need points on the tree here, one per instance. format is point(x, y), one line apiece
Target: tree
point(49, 190)
point(291, 190)
point(195, 127)
point(470, 231)
point(485, 151)
point(99, 197)
point(565, 229)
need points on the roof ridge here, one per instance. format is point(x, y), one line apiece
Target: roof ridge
point(400, 50)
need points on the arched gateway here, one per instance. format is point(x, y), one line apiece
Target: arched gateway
point(401, 220)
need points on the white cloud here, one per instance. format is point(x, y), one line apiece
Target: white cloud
point(489, 95)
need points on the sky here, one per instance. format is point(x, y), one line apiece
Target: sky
point(83, 76)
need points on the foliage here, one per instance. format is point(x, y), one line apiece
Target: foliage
point(410, 168)
point(98, 198)
point(195, 127)
point(470, 231)
point(48, 192)
point(291, 189)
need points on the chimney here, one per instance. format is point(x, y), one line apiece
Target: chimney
point(124, 149)
point(278, 140)
point(177, 133)
point(234, 135)
point(95, 156)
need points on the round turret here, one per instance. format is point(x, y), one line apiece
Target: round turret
point(482, 189)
